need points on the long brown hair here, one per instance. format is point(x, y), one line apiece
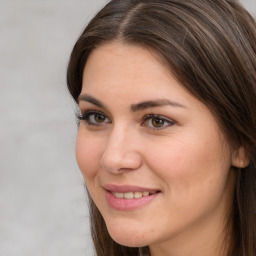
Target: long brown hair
point(210, 47)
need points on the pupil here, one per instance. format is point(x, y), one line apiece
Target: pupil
point(99, 118)
point(158, 122)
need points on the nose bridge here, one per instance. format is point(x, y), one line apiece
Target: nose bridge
point(118, 138)
point(121, 151)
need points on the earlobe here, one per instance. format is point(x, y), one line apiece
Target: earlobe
point(240, 158)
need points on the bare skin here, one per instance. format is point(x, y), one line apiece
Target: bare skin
point(141, 128)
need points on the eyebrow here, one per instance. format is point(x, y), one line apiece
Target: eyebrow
point(134, 107)
point(88, 98)
point(155, 103)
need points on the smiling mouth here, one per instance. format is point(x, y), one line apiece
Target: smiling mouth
point(133, 195)
point(128, 198)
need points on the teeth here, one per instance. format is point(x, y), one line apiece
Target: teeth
point(119, 195)
point(128, 195)
point(132, 195)
point(137, 194)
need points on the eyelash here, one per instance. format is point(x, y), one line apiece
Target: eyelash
point(163, 121)
point(166, 121)
point(86, 117)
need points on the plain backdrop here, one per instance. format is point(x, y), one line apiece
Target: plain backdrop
point(43, 209)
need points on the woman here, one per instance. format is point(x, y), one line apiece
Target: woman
point(167, 134)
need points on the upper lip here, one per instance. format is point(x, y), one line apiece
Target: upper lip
point(128, 188)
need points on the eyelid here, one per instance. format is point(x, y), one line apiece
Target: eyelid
point(83, 114)
point(86, 114)
point(165, 119)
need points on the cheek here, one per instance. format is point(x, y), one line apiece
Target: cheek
point(191, 166)
point(195, 179)
point(88, 154)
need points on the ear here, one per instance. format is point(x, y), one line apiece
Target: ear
point(240, 158)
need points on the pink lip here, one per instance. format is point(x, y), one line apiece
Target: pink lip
point(127, 204)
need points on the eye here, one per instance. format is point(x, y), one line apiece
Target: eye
point(94, 118)
point(157, 122)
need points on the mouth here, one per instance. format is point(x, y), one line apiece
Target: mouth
point(128, 197)
point(133, 195)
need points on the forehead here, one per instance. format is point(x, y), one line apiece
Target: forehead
point(123, 59)
point(118, 66)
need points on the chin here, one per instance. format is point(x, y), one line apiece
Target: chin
point(127, 235)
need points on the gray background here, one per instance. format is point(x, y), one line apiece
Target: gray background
point(42, 202)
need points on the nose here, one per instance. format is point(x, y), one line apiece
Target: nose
point(121, 152)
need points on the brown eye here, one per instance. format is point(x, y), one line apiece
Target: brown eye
point(95, 118)
point(157, 122)
point(99, 118)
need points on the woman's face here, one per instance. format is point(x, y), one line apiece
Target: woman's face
point(153, 158)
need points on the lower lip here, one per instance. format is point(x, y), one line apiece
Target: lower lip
point(128, 204)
